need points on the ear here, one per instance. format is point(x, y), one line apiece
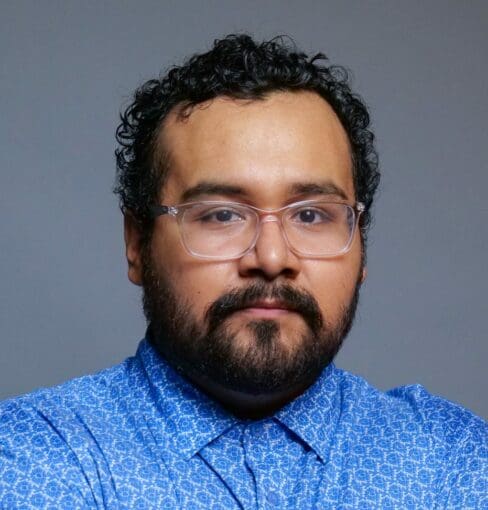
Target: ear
point(364, 274)
point(133, 248)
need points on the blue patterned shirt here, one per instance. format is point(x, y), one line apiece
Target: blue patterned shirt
point(139, 436)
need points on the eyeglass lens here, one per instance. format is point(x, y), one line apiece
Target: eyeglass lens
point(229, 230)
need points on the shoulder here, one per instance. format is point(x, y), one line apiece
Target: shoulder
point(77, 395)
point(461, 439)
point(414, 410)
point(412, 405)
point(446, 420)
point(80, 403)
point(46, 438)
point(442, 444)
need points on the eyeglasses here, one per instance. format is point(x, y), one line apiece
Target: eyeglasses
point(228, 230)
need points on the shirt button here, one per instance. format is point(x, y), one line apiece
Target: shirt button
point(273, 499)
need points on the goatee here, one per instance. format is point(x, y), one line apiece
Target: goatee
point(210, 349)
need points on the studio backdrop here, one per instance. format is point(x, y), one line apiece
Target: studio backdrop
point(68, 68)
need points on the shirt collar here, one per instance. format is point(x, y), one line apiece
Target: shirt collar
point(186, 419)
point(314, 415)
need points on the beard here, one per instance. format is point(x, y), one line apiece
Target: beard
point(212, 350)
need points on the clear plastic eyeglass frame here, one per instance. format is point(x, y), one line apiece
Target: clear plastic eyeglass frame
point(352, 213)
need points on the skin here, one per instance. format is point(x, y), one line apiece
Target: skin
point(264, 149)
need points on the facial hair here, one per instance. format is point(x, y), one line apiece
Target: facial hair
point(211, 350)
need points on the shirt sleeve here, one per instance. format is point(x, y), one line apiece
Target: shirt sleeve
point(38, 470)
point(466, 480)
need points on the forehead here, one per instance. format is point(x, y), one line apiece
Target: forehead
point(263, 147)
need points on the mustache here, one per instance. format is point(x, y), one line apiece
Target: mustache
point(298, 300)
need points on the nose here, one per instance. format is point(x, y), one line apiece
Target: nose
point(270, 257)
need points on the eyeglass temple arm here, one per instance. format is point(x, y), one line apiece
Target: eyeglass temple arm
point(159, 210)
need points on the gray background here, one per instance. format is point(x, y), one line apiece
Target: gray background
point(66, 307)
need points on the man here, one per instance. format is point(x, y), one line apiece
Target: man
point(246, 178)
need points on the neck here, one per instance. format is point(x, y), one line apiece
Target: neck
point(248, 406)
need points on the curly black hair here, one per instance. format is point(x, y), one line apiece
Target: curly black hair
point(240, 68)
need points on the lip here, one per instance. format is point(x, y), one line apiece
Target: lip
point(267, 309)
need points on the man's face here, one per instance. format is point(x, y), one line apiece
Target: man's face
point(288, 314)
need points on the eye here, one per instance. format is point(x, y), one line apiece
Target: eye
point(311, 216)
point(221, 215)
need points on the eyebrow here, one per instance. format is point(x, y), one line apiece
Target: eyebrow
point(326, 188)
point(212, 188)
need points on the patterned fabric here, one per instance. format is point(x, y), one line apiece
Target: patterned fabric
point(139, 436)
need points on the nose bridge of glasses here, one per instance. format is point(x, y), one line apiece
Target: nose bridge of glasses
point(269, 218)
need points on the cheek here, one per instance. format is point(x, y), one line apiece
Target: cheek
point(202, 283)
point(195, 281)
point(333, 283)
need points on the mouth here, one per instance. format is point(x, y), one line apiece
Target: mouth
point(267, 308)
